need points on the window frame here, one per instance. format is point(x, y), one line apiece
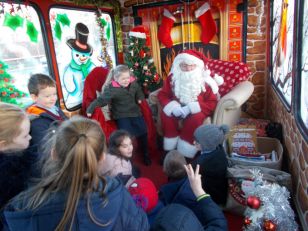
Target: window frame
point(273, 84)
point(298, 80)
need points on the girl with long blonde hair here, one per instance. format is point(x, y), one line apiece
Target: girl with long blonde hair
point(71, 195)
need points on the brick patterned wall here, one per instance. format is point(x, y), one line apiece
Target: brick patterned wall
point(296, 150)
point(256, 57)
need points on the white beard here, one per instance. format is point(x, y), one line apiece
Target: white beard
point(188, 85)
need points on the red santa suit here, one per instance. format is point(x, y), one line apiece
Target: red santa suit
point(190, 99)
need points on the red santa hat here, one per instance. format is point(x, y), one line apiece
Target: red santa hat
point(140, 32)
point(144, 193)
point(194, 57)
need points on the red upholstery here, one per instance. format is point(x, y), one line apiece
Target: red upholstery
point(232, 72)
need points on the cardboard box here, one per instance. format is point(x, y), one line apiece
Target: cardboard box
point(264, 145)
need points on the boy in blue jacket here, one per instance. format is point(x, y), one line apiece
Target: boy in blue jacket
point(44, 111)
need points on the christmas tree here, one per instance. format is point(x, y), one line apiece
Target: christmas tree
point(8, 92)
point(268, 207)
point(139, 60)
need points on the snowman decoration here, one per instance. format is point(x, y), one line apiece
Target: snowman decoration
point(80, 66)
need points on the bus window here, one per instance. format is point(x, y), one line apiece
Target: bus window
point(78, 47)
point(282, 48)
point(22, 52)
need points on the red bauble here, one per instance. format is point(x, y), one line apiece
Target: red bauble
point(156, 77)
point(142, 54)
point(3, 93)
point(247, 221)
point(269, 225)
point(253, 202)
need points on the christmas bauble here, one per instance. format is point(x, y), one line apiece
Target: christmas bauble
point(269, 225)
point(247, 221)
point(141, 54)
point(253, 202)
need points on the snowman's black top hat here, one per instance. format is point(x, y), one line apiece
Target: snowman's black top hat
point(80, 43)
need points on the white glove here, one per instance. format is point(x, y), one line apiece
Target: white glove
point(177, 111)
point(194, 107)
point(186, 111)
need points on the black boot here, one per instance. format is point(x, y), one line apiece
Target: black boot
point(143, 140)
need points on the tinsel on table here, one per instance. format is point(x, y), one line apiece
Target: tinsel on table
point(275, 212)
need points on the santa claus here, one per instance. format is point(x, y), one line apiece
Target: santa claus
point(188, 94)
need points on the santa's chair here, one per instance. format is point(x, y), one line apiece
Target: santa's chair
point(92, 86)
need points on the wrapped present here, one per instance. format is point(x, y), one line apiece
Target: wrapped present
point(242, 140)
point(260, 124)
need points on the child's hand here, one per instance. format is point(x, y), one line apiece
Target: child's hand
point(89, 115)
point(194, 180)
point(139, 101)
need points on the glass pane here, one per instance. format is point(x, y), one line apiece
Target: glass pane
point(78, 47)
point(282, 47)
point(22, 52)
point(304, 67)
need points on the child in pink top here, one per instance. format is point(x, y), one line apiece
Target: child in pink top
point(117, 161)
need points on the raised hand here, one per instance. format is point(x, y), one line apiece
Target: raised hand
point(195, 180)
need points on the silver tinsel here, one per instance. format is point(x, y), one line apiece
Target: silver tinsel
point(275, 206)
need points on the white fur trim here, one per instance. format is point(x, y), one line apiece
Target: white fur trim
point(219, 80)
point(187, 57)
point(170, 143)
point(194, 107)
point(187, 149)
point(137, 34)
point(211, 82)
point(168, 14)
point(205, 7)
point(170, 106)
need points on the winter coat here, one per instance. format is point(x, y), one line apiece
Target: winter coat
point(213, 169)
point(41, 121)
point(124, 101)
point(120, 212)
point(16, 169)
point(176, 217)
point(178, 192)
point(112, 165)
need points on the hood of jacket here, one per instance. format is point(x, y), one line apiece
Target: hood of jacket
point(50, 213)
point(178, 192)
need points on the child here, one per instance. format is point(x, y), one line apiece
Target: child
point(43, 92)
point(213, 160)
point(118, 158)
point(177, 190)
point(15, 162)
point(173, 166)
point(145, 196)
point(124, 94)
point(176, 217)
point(71, 195)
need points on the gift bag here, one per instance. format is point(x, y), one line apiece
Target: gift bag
point(240, 182)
